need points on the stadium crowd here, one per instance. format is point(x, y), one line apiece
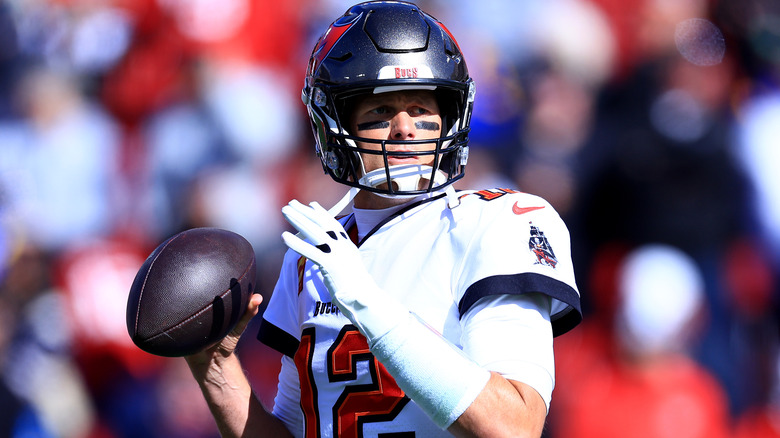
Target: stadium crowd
point(652, 126)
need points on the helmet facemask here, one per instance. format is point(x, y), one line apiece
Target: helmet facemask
point(341, 151)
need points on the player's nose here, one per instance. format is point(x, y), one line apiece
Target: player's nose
point(402, 127)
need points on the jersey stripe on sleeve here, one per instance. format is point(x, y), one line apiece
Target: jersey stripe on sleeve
point(528, 282)
point(277, 339)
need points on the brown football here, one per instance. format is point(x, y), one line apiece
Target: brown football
point(191, 291)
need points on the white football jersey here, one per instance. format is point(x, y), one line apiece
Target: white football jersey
point(441, 263)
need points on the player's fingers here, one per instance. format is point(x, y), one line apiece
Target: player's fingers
point(298, 217)
point(252, 308)
point(228, 344)
point(303, 248)
point(324, 217)
point(317, 214)
point(320, 210)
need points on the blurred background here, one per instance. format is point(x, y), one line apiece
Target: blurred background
point(653, 127)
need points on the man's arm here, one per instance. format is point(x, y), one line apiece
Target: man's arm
point(454, 390)
point(512, 336)
point(503, 408)
point(236, 410)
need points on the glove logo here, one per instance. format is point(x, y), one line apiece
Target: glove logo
point(540, 247)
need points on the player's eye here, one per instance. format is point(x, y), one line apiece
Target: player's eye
point(419, 111)
point(380, 111)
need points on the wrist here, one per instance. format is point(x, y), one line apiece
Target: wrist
point(370, 309)
point(431, 371)
point(209, 368)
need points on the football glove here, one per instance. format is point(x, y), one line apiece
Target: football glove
point(350, 285)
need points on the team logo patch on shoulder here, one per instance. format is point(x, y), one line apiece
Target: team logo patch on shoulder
point(540, 247)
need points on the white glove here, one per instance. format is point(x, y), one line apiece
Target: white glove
point(351, 287)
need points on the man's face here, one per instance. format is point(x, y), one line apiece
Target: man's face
point(398, 115)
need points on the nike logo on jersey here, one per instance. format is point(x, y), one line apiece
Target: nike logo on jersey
point(518, 210)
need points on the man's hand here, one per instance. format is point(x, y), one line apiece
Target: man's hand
point(199, 362)
point(236, 410)
point(329, 247)
point(350, 285)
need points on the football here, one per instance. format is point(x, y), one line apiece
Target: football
point(190, 292)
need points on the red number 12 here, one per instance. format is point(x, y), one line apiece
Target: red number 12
point(379, 400)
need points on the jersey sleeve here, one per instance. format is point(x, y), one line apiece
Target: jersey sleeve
point(280, 327)
point(520, 245)
point(512, 335)
point(287, 403)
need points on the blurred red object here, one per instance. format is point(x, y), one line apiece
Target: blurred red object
point(95, 280)
point(759, 423)
point(610, 385)
point(173, 39)
point(749, 279)
point(153, 73)
point(672, 397)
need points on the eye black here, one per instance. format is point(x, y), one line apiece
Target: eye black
point(367, 126)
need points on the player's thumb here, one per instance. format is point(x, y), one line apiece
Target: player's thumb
point(252, 308)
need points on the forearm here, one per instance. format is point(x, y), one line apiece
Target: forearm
point(236, 410)
point(503, 408)
point(453, 390)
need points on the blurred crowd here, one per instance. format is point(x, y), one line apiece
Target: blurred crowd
point(653, 127)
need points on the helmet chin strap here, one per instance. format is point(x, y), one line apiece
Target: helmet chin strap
point(406, 178)
point(344, 201)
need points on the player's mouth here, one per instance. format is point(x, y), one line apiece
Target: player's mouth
point(405, 157)
point(402, 159)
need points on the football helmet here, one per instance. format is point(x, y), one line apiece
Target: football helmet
point(384, 46)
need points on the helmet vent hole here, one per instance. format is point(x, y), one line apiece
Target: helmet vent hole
point(342, 58)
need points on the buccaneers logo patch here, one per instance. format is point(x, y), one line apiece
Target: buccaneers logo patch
point(541, 248)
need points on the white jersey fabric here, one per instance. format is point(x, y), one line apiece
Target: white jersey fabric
point(492, 275)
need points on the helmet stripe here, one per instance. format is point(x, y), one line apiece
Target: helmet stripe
point(329, 39)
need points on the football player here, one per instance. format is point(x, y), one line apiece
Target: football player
point(424, 311)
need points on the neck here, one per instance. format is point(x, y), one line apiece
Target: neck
point(371, 201)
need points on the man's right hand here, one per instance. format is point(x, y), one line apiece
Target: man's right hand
point(200, 362)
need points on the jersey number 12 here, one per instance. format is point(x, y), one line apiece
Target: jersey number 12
point(379, 400)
